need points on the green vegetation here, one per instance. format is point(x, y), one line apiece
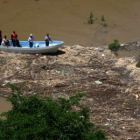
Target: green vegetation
point(90, 19)
point(138, 64)
point(114, 46)
point(33, 118)
point(103, 18)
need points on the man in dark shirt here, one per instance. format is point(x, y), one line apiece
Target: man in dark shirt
point(47, 39)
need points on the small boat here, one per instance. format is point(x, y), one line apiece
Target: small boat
point(39, 47)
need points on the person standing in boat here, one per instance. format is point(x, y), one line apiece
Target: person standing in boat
point(47, 39)
point(31, 40)
point(13, 38)
point(0, 37)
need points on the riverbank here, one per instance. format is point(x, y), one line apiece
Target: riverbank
point(110, 84)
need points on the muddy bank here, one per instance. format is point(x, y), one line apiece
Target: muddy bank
point(110, 84)
point(67, 20)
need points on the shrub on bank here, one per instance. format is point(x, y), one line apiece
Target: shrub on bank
point(138, 65)
point(114, 46)
point(103, 18)
point(90, 19)
point(33, 118)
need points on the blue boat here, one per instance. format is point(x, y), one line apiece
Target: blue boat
point(39, 47)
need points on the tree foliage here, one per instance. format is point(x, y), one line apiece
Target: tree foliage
point(90, 19)
point(114, 46)
point(33, 118)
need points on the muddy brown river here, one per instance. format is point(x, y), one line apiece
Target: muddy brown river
point(68, 21)
point(4, 105)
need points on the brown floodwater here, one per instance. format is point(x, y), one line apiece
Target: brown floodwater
point(4, 105)
point(67, 20)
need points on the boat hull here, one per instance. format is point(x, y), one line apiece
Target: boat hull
point(38, 48)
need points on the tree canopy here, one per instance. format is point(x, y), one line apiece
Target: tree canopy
point(33, 118)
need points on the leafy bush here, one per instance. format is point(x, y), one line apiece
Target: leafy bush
point(138, 64)
point(90, 19)
point(114, 46)
point(33, 118)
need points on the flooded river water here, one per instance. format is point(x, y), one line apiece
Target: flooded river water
point(4, 105)
point(67, 20)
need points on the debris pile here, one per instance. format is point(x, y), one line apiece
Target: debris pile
point(110, 84)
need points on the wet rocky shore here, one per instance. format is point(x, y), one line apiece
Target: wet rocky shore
point(110, 83)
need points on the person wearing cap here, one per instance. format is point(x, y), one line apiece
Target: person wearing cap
point(31, 40)
point(13, 38)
